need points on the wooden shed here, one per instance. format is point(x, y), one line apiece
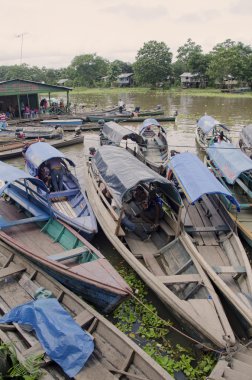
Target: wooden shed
point(17, 91)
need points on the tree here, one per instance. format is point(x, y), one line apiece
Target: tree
point(191, 58)
point(89, 69)
point(230, 58)
point(118, 67)
point(153, 63)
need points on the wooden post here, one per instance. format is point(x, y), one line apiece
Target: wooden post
point(67, 107)
point(177, 232)
point(119, 221)
point(19, 109)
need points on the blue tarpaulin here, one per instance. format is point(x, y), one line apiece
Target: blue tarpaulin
point(230, 161)
point(60, 336)
point(195, 178)
point(207, 123)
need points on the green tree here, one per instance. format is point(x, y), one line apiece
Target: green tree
point(118, 67)
point(153, 63)
point(230, 58)
point(89, 69)
point(191, 58)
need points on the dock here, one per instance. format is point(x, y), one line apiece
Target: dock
point(236, 366)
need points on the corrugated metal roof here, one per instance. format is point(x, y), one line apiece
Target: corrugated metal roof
point(126, 75)
point(21, 86)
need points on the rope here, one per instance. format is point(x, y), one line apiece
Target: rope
point(174, 328)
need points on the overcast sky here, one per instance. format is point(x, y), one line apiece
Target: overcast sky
point(55, 31)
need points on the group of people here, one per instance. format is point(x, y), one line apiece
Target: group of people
point(52, 172)
point(151, 212)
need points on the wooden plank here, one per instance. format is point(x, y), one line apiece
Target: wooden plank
point(166, 228)
point(244, 367)
point(229, 269)
point(9, 271)
point(207, 229)
point(179, 279)
point(83, 318)
point(69, 254)
point(230, 374)
point(242, 356)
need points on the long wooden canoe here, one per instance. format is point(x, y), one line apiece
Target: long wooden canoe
point(165, 262)
point(115, 355)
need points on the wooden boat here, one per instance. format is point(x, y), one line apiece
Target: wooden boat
point(70, 204)
point(234, 169)
point(115, 355)
point(245, 141)
point(15, 148)
point(31, 133)
point(62, 122)
point(209, 130)
point(123, 118)
point(219, 250)
point(165, 261)
point(237, 365)
point(30, 228)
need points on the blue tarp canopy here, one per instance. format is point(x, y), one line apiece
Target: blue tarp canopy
point(10, 174)
point(231, 161)
point(195, 178)
point(207, 123)
point(121, 172)
point(59, 335)
point(147, 123)
point(115, 133)
point(40, 152)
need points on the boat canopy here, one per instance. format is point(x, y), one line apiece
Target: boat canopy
point(207, 123)
point(246, 135)
point(148, 123)
point(115, 133)
point(40, 152)
point(121, 172)
point(10, 174)
point(230, 160)
point(195, 178)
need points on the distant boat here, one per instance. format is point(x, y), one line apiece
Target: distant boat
point(15, 147)
point(115, 355)
point(70, 204)
point(62, 122)
point(234, 169)
point(218, 248)
point(245, 141)
point(30, 228)
point(124, 118)
point(31, 133)
point(209, 130)
point(164, 260)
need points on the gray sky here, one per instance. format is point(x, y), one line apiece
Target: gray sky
point(55, 31)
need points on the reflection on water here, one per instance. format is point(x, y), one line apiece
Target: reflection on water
point(232, 112)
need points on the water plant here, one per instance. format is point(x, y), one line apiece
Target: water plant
point(139, 319)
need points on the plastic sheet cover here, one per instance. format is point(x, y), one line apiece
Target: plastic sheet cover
point(10, 174)
point(121, 172)
point(195, 178)
point(115, 133)
point(246, 135)
point(147, 123)
point(207, 123)
point(40, 152)
point(61, 337)
point(230, 160)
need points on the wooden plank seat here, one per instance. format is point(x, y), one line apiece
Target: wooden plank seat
point(67, 255)
point(65, 208)
point(10, 271)
point(229, 269)
point(191, 229)
point(4, 223)
point(179, 279)
point(158, 141)
point(166, 228)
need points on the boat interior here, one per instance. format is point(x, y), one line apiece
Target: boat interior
point(155, 149)
point(211, 230)
point(56, 243)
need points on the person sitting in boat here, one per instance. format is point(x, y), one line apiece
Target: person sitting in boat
point(139, 195)
point(220, 137)
point(44, 175)
point(121, 105)
point(153, 212)
point(59, 130)
point(138, 228)
point(57, 166)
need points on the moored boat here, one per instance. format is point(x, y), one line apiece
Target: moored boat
point(15, 148)
point(32, 133)
point(245, 141)
point(234, 169)
point(114, 354)
point(164, 259)
point(69, 201)
point(219, 249)
point(210, 130)
point(28, 225)
point(124, 118)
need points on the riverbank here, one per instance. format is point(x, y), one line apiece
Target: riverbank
point(209, 92)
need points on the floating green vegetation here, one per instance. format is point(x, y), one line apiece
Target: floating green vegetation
point(140, 321)
point(11, 368)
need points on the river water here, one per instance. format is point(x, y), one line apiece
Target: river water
point(234, 112)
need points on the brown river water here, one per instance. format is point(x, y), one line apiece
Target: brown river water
point(234, 112)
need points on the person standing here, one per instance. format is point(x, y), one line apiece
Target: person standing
point(3, 122)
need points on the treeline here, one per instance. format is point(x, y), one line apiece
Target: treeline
point(153, 66)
